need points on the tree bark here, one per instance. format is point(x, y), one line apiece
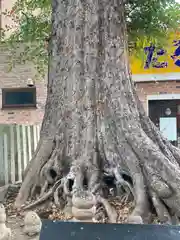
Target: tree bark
point(94, 123)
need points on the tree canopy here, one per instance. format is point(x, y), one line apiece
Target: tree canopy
point(146, 21)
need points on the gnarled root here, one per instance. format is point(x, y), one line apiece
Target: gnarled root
point(160, 208)
point(112, 215)
point(45, 196)
point(80, 185)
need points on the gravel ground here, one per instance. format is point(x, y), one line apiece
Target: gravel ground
point(15, 224)
point(15, 219)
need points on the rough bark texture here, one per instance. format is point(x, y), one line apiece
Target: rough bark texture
point(94, 123)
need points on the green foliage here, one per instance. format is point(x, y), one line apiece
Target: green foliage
point(151, 21)
point(147, 21)
point(27, 42)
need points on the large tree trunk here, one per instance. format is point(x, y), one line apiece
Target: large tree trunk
point(94, 123)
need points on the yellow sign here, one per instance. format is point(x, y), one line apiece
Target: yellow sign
point(156, 60)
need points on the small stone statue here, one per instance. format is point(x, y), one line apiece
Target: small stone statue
point(83, 207)
point(32, 224)
point(5, 233)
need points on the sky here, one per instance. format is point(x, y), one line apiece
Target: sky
point(178, 1)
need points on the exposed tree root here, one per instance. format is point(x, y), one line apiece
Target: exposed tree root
point(138, 182)
point(45, 196)
point(83, 175)
point(161, 210)
point(109, 209)
point(33, 170)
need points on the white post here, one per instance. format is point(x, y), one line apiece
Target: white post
point(19, 153)
point(5, 155)
point(1, 160)
point(13, 171)
point(35, 137)
point(38, 132)
point(24, 142)
point(29, 142)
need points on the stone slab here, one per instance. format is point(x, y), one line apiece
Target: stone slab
point(92, 231)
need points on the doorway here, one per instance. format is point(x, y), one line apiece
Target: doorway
point(165, 114)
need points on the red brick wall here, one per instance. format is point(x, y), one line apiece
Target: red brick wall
point(154, 88)
point(18, 78)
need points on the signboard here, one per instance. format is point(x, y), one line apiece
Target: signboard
point(158, 60)
point(56, 230)
point(168, 127)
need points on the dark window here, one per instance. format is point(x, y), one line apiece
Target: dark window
point(18, 97)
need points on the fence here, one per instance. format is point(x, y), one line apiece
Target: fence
point(17, 144)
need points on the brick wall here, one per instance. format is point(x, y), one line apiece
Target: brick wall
point(154, 88)
point(18, 78)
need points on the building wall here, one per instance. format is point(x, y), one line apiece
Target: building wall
point(18, 77)
point(155, 88)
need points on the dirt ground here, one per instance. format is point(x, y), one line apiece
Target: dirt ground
point(14, 220)
point(15, 223)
